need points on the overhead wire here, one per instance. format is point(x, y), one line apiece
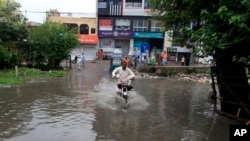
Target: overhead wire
point(58, 12)
point(62, 14)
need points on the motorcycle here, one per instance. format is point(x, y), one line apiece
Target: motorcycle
point(123, 89)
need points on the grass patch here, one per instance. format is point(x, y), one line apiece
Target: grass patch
point(169, 73)
point(191, 70)
point(11, 81)
point(10, 77)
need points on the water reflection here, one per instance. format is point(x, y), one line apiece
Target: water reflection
point(174, 110)
point(83, 106)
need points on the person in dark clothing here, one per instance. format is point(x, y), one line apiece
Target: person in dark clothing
point(187, 60)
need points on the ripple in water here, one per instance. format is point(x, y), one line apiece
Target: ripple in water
point(106, 97)
point(190, 135)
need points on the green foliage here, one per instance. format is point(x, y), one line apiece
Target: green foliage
point(8, 76)
point(12, 24)
point(219, 25)
point(1, 3)
point(168, 73)
point(191, 70)
point(172, 73)
point(10, 81)
point(48, 44)
point(51, 43)
point(32, 72)
point(12, 30)
point(222, 30)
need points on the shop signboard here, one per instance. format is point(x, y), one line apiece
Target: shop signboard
point(127, 34)
point(88, 39)
point(148, 35)
point(172, 50)
point(105, 24)
point(145, 48)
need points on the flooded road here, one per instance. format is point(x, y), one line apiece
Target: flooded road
point(83, 106)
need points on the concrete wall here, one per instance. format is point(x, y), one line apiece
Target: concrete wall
point(91, 22)
point(171, 70)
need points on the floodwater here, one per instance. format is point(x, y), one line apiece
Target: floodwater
point(83, 106)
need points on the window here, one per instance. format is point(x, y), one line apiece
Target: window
point(156, 26)
point(122, 24)
point(72, 26)
point(133, 3)
point(92, 30)
point(140, 25)
point(102, 4)
point(84, 29)
point(146, 3)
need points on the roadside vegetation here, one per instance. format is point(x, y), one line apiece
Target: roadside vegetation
point(13, 77)
point(36, 50)
point(220, 29)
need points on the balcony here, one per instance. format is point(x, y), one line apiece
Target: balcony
point(136, 12)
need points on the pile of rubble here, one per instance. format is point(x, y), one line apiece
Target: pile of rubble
point(185, 77)
point(195, 77)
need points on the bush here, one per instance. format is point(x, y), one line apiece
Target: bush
point(191, 70)
point(8, 77)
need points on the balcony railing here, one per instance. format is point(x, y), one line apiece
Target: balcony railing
point(136, 12)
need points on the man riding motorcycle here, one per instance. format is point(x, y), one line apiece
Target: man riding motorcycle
point(125, 75)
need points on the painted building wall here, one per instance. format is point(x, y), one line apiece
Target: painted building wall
point(91, 22)
point(86, 47)
point(120, 20)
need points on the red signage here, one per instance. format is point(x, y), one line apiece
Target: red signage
point(105, 24)
point(88, 39)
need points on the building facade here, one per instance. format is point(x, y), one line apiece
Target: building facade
point(86, 28)
point(128, 25)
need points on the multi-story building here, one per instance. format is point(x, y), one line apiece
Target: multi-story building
point(128, 25)
point(86, 28)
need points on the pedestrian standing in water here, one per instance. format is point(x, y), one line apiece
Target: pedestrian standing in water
point(75, 59)
point(79, 57)
point(135, 61)
point(127, 60)
point(183, 60)
point(187, 60)
point(81, 61)
point(164, 58)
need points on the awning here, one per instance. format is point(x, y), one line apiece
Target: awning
point(88, 39)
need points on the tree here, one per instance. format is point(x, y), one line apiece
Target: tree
point(1, 3)
point(223, 28)
point(51, 43)
point(12, 30)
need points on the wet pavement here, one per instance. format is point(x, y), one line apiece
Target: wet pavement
point(83, 106)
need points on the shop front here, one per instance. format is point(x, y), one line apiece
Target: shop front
point(147, 43)
point(109, 40)
point(172, 53)
point(88, 46)
point(175, 53)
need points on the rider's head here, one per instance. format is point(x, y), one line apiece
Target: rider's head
point(124, 65)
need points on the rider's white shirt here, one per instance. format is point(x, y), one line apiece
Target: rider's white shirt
point(124, 75)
